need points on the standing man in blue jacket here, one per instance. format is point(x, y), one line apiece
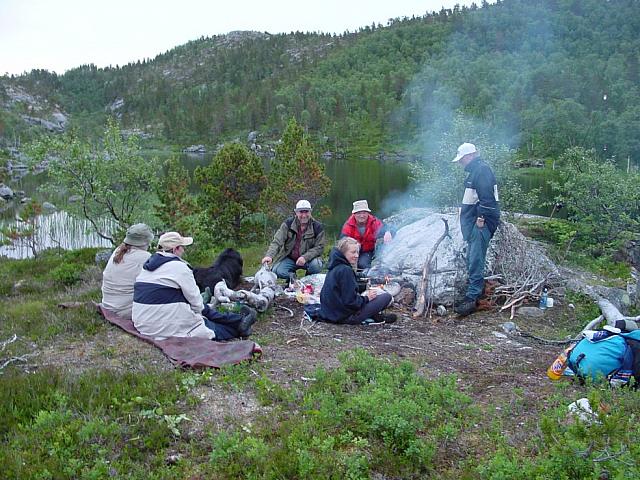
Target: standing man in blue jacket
point(479, 219)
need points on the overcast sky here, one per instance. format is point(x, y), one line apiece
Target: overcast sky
point(61, 34)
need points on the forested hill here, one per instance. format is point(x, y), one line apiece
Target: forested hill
point(540, 75)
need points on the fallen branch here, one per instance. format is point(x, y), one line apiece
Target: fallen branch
point(430, 288)
point(311, 327)
point(589, 326)
point(545, 340)
point(514, 306)
point(513, 302)
point(413, 348)
point(422, 286)
point(7, 342)
point(287, 309)
point(22, 358)
point(606, 456)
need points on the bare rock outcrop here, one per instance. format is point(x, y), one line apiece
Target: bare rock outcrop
point(512, 258)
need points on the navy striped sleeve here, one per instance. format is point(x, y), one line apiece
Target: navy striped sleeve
point(154, 294)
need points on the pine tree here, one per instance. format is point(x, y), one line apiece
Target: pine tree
point(177, 206)
point(295, 174)
point(231, 188)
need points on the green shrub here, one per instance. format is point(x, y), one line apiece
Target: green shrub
point(85, 256)
point(573, 243)
point(366, 415)
point(566, 448)
point(67, 273)
point(602, 202)
point(95, 425)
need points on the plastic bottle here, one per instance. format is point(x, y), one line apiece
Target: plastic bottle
point(559, 365)
point(543, 299)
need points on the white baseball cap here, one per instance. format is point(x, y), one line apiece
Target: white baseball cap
point(303, 205)
point(465, 149)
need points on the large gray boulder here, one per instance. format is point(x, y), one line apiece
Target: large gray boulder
point(48, 207)
point(6, 192)
point(59, 118)
point(509, 254)
point(195, 149)
point(54, 126)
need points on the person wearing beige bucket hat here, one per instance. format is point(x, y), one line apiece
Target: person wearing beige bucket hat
point(363, 226)
point(167, 302)
point(123, 267)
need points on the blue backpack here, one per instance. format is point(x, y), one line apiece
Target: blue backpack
point(615, 358)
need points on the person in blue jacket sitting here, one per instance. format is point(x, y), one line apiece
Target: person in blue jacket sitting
point(340, 301)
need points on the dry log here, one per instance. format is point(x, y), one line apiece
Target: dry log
point(615, 318)
point(4, 344)
point(592, 324)
point(22, 358)
point(422, 286)
point(610, 312)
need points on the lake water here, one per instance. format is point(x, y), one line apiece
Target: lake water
point(352, 179)
point(383, 184)
point(55, 230)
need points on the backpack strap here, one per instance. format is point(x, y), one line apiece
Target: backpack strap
point(633, 341)
point(289, 222)
point(317, 228)
point(634, 346)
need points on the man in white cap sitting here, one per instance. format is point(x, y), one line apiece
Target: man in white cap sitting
point(298, 244)
point(167, 301)
point(479, 219)
point(363, 226)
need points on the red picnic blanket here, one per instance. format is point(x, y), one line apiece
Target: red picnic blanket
point(191, 351)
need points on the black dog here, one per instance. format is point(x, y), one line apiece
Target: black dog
point(227, 266)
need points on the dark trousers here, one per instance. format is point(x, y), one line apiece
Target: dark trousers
point(477, 245)
point(376, 305)
point(225, 325)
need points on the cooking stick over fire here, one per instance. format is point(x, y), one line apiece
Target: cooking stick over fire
point(422, 286)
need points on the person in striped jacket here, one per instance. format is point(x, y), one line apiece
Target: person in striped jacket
point(479, 219)
point(167, 301)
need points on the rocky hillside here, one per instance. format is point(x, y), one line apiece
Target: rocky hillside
point(540, 76)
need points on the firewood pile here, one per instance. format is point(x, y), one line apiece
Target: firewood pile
point(428, 252)
point(520, 267)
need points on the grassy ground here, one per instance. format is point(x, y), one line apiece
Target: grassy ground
point(416, 399)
